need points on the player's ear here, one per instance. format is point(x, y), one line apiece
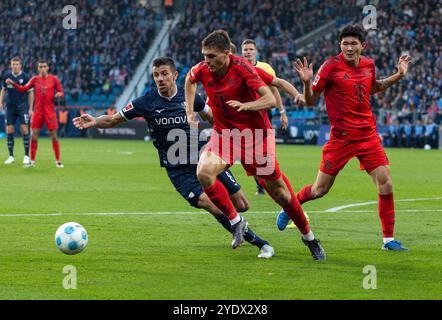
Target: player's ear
point(364, 45)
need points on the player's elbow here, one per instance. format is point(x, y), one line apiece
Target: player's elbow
point(270, 101)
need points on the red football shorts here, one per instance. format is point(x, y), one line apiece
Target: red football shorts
point(48, 118)
point(336, 153)
point(254, 149)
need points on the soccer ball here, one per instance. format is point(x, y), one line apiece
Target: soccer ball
point(71, 238)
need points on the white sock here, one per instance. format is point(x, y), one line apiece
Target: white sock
point(387, 240)
point(235, 220)
point(308, 236)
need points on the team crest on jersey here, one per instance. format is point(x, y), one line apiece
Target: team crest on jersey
point(21, 80)
point(128, 107)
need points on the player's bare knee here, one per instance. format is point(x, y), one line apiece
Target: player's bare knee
point(242, 205)
point(385, 186)
point(205, 177)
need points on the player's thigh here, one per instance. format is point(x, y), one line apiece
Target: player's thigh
point(24, 118)
point(335, 155)
point(371, 154)
point(11, 119)
point(50, 120)
point(228, 180)
point(186, 183)
point(210, 165)
point(37, 121)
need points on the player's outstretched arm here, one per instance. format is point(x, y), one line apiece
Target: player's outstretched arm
point(290, 89)
point(384, 84)
point(305, 73)
point(86, 121)
point(266, 101)
point(20, 88)
point(280, 106)
point(189, 92)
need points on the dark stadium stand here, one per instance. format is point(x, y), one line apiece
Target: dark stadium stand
point(93, 62)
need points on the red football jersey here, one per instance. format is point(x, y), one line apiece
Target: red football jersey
point(44, 91)
point(266, 77)
point(347, 96)
point(241, 83)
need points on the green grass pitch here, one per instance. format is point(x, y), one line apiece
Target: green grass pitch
point(165, 253)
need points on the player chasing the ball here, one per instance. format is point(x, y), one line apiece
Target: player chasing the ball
point(239, 98)
point(347, 81)
point(164, 110)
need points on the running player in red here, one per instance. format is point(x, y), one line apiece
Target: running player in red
point(240, 98)
point(45, 85)
point(347, 81)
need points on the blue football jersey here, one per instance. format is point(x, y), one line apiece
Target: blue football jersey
point(13, 97)
point(167, 120)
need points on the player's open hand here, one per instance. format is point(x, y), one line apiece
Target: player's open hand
point(284, 121)
point(304, 70)
point(85, 121)
point(239, 106)
point(403, 63)
point(58, 95)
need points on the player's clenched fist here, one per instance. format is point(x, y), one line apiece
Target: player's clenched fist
point(85, 121)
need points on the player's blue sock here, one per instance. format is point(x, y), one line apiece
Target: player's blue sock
point(252, 238)
point(249, 236)
point(11, 144)
point(26, 144)
point(224, 222)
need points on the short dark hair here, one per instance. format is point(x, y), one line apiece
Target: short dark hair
point(16, 58)
point(353, 31)
point(42, 61)
point(248, 41)
point(232, 48)
point(164, 61)
point(218, 39)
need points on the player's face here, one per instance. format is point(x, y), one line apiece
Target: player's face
point(165, 79)
point(43, 69)
point(15, 66)
point(352, 48)
point(249, 52)
point(216, 59)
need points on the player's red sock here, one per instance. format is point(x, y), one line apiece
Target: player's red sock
point(220, 197)
point(305, 194)
point(294, 210)
point(34, 145)
point(56, 148)
point(386, 214)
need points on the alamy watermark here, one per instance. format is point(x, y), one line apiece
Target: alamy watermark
point(370, 17)
point(254, 147)
point(370, 281)
point(70, 20)
point(70, 280)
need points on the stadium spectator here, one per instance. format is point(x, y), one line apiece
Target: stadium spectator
point(168, 5)
point(391, 138)
point(431, 133)
point(63, 117)
point(418, 138)
point(406, 134)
